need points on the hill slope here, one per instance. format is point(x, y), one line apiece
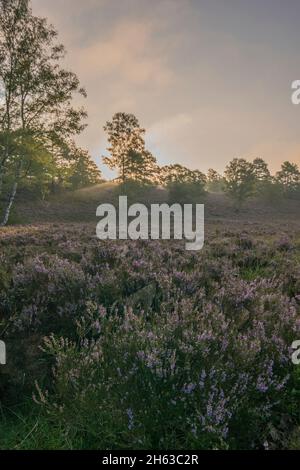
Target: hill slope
point(81, 205)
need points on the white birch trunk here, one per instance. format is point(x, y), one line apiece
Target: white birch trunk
point(9, 205)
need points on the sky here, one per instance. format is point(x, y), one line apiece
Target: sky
point(209, 80)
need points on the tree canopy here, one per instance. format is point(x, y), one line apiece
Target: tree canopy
point(37, 115)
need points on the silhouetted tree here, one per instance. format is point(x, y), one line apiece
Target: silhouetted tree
point(83, 171)
point(261, 170)
point(126, 144)
point(289, 177)
point(142, 167)
point(240, 180)
point(215, 181)
point(184, 185)
point(180, 174)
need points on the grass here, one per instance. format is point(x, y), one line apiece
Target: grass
point(250, 274)
point(24, 428)
point(80, 206)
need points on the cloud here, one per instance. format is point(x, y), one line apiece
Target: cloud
point(207, 84)
point(166, 128)
point(126, 54)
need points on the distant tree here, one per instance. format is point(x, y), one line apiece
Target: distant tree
point(289, 177)
point(197, 177)
point(184, 185)
point(180, 174)
point(35, 92)
point(215, 181)
point(213, 175)
point(261, 170)
point(173, 173)
point(83, 171)
point(142, 167)
point(126, 144)
point(265, 186)
point(240, 180)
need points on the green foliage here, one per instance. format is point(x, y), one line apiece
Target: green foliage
point(261, 170)
point(142, 167)
point(240, 180)
point(83, 171)
point(270, 191)
point(180, 174)
point(186, 193)
point(214, 181)
point(36, 93)
point(127, 149)
point(24, 427)
point(184, 185)
point(289, 178)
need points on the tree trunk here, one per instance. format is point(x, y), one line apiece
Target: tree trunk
point(1, 178)
point(2, 166)
point(9, 205)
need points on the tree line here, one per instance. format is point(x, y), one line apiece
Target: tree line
point(242, 179)
point(39, 122)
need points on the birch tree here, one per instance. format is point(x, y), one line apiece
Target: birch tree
point(36, 93)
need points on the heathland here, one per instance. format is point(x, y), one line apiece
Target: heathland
point(141, 344)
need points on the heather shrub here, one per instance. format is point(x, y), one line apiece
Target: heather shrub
point(45, 291)
point(198, 376)
point(151, 346)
